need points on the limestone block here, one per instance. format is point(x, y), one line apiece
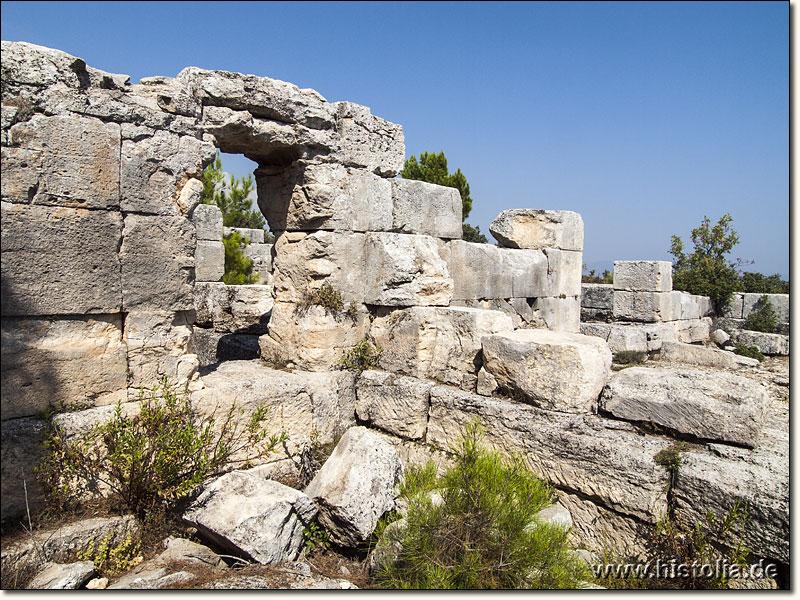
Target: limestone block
point(209, 261)
point(714, 481)
point(158, 345)
point(254, 236)
point(643, 275)
point(772, 344)
point(212, 347)
point(157, 263)
point(207, 219)
point(405, 270)
point(394, 403)
point(703, 356)
point(261, 96)
point(735, 308)
point(300, 403)
point(261, 255)
point(233, 308)
point(538, 229)
point(315, 196)
point(426, 208)
point(555, 515)
point(305, 262)
point(646, 306)
point(247, 514)
point(602, 459)
point(720, 337)
point(563, 274)
point(712, 406)
point(559, 314)
point(554, 370)
point(694, 307)
point(62, 161)
point(487, 383)
point(20, 452)
point(154, 169)
point(57, 576)
point(482, 271)
point(59, 261)
point(355, 486)
point(620, 338)
point(55, 362)
point(779, 302)
point(692, 330)
point(597, 295)
point(30, 64)
point(435, 343)
point(191, 197)
point(368, 141)
point(312, 339)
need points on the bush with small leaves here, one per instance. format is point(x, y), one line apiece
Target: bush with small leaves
point(483, 534)
point(361, 357)
point(749, 351)
point(763, 318)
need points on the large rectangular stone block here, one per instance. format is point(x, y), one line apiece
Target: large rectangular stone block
point(59, 261)
point(233, 308)
point(157, 263)
point(607, 460)
point(154, 169)
point(539, 229)
point(559, 314)
point(261, 255)
point(394, 403)
point(322, 196)
point(735, 307)
point(426, 208)
point(597, 295)
point(209, 261)
point(779, 303)
point(435, 342)
point(563, 274)
point(61, 363)
point(368, 141)
point(254, 236)
point(649, 307)
point(207, 219)
point(62, 161)
point(405, 270)
point(643, 275)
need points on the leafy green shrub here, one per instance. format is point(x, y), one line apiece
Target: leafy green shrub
point(763, 318)
point(670, 458)
point(706, 271)
point(153, 459)
point(238, 268)
point(483, 534)
point(111, 558)
point(361, 357)
point(756, 283)
point(749, 351)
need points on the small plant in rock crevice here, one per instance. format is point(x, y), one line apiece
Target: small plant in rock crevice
point(330, 299)
point(110, 557)
point(361, 357)
point(630, 357)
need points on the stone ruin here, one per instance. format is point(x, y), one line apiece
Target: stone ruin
point(111, 273)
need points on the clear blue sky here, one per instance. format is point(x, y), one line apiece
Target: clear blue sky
point(643, 117)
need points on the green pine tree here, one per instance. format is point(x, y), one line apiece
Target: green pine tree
point(232, 199)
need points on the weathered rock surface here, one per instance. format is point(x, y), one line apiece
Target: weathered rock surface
point(299, 402)
point(425, 208)
point(647, 306)
point(148, 577)
point(253, 236)
point(704, 356)
point(435, 342)
point(41, 277)
point(719, 406)
point(209, 261)
point(720, 337)
point(405, 270)
point(368, 141)
point(779, 302)
point(394, 403)
point(556, 515)
point(714, 480)
point(158, 344)
point(212, 347)
point(772, 344)
point(312, 338)
point(554, 370)
point(355, 486)
point(604, 460)
point(180, 550)
point(20, 452)
point(157, 263)
point(597, 295)
point(207, 219)
point(643, 275)
point(538, 229)
point(233, 308)
point(62, 161)
point(312, 196)
point(261, 255)
point(260, 518)
point(60, 544)
point(57, 576)
point(50, 363)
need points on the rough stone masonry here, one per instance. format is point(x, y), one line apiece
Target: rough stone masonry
point(111, 279)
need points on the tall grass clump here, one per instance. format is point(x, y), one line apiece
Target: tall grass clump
point(482, 534)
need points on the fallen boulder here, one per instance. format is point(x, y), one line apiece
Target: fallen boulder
point(355, 486)
point(56, 576)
